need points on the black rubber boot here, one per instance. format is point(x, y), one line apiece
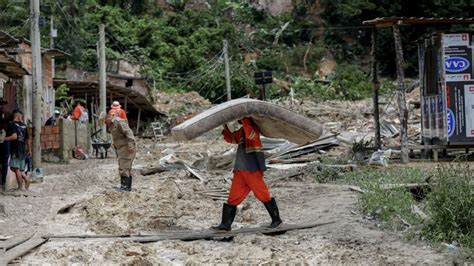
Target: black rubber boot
point(272, 209)
point(128, 183)
point(124, 183)
point(228, 215)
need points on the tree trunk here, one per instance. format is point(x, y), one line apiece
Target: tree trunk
point(403, 111)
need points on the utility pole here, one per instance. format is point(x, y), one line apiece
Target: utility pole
point(102, 76)
point(37, 82)
point(52, 35)
point(227, 70)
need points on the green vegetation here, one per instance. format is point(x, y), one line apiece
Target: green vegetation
point(179, 47)
point(451, 207)
point(448, 206)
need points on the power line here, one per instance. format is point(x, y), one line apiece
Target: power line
point(209, 62)
point(15, 30)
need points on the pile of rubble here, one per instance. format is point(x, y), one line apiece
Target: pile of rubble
point(175, 105)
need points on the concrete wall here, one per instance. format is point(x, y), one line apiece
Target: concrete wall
point(58, 142)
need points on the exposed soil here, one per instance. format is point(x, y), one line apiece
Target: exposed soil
point(169, 201)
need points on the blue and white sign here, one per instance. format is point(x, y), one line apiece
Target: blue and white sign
point(456, 64)
point(451, 122)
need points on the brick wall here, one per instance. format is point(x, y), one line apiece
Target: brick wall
point(50, 138)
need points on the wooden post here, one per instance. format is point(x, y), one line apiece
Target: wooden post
point(375, 89)
point(37, 82)
point(138, 121)
point(402, 106)
point(102, 76)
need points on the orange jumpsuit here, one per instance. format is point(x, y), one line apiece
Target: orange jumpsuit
point(119, 112)
point(249, 166)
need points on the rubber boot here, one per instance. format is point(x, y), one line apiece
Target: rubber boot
point(228, 215)
point(128, 183)
point(123, 183)
point(272, 209)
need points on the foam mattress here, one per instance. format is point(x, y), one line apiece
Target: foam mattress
point(273, 121)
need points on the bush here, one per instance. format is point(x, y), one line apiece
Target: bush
point(391, 206)
point(451, 207)
point(350, 83)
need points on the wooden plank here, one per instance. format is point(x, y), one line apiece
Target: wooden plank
point(15, 241)
point(193, 172)
point(194, 235)
point(375, 89)
point(21, 250)
point(210, 234)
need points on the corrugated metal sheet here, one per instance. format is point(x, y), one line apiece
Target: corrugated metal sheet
point(390, 21)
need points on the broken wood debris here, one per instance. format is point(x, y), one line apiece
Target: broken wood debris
point(315, 168)
point(17, 246)
point(313, 147)
point(214, 193)
point(193, 172)
point(21, 250)
point(192, 235)
point(154, 170)
point(66, 208)
point(14, 241)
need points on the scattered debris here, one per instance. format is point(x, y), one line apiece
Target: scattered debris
point(154, 170)
point(380, 158)
point(20, 250)
point(66, 208)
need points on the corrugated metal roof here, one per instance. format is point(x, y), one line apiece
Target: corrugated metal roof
point(79, 89)
point(390, 21)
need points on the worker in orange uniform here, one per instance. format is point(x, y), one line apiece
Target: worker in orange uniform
point(80, 113)
point(248, 174)
point(116, 110)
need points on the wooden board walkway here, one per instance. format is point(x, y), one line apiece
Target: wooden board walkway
point(190, 235)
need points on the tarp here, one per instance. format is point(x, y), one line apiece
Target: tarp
point(273, 121)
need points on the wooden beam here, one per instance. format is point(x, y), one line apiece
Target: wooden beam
point(401, 91)
point(375, 89)
point(138, 120)
point(190, 235)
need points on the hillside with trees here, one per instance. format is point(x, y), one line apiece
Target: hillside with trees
point(179, 43)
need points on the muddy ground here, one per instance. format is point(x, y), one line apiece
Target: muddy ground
point(169, 201)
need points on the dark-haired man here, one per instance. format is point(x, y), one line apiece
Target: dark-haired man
point(20, 148)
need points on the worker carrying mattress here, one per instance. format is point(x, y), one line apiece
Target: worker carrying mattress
point(273, 121)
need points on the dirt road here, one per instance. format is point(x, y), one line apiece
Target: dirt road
point(168, 201)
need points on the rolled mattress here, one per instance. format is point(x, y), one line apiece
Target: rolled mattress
point(273, 121)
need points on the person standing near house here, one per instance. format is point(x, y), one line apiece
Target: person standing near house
point(20, 147)
point(80, 113)
point(124, 144)
point(54, 119)
point(116, 110)
point(248, 174)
